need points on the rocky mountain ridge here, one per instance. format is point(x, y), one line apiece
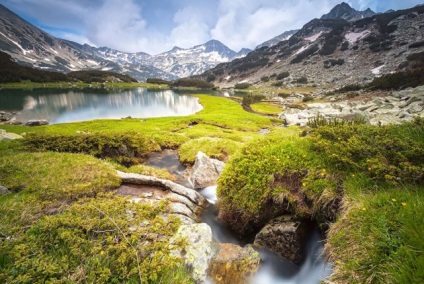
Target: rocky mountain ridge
point(332, 52)
point(33, 47)
point(345, 12)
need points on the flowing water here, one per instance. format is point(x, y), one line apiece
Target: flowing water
point(273, 269)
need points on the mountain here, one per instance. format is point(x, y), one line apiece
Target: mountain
point(33, 47)
point(284, 36)
point(345, 12)
point(196, 60)
point(333, 52)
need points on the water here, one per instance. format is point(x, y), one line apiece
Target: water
point(59, 106)
point(273, 268)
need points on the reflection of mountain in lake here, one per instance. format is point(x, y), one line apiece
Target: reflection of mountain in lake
point(79, 106)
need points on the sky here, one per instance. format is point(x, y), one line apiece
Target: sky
point(156, 26)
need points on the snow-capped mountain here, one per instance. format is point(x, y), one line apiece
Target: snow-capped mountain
point(345, 12)
point(196, 60)
point(30, 46)
point(284, 36)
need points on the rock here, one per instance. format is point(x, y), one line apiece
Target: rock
point(8, 136)
point(234, 264)
point(192, 197)
point(4, 190)
point(37, 122)
point(199, 250)
point(285, 236)
point(205, 171)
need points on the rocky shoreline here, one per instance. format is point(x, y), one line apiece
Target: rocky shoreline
point(394, 108)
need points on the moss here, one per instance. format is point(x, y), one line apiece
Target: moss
point(217, 148)
point(266, 108)
point(96, 241)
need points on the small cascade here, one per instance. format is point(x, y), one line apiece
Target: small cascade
point(273, 268)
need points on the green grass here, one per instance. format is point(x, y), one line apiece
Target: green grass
point(217, 148)
point(266, 108)
point(365, 181)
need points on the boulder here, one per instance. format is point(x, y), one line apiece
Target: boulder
point(206, 171)
point(234, 264)
point(285, 236)
point(36, 122)
point(4, 190)
point(194, 200)
point(8, 136)
point(199, 250)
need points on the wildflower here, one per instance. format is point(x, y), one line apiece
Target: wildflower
point(394, 199)
point(403, 203)
point(364, 209)
point(353, 175)
point(102, 252)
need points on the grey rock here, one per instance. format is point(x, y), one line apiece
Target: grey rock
point(199, 202)
point(8, 136)
point(199, 250)
point(4, 190)
point(283, 235)
point(36, 122)
point(205, 171)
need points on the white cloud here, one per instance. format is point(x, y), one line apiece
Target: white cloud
point(248, 23)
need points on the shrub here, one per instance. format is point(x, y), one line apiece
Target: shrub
point(333, 62)
point(265, 79)
point(307, 98)
point(283, 75)
point(344, 46)
point(299, 58)
point(252, 98)
point(399, 80)
point(157, 81)
point(193, 83)
point(301, 80)
point(242, 86)
point(416, 44)
point(277, 84)
point(350, 88)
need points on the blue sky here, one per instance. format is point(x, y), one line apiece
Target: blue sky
point(155, 26)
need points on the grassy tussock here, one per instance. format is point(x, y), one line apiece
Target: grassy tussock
point(217, 148)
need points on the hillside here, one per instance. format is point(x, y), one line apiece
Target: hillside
point(332, 52)
point(10, 71)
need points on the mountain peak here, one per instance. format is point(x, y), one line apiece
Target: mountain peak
point(346, 12)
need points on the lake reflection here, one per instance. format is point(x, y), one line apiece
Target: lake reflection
point(81, 105)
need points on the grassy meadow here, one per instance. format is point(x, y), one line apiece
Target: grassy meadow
point(364, 184)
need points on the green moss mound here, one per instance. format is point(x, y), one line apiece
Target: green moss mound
point(217, 148)
point(97, 241)
point(365, 180)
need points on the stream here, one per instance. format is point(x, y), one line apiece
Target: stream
point(273, 268)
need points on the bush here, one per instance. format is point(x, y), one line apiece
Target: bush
point(283, 75)
point(333, 62)
point(416, 44)
point(265, 79)
point(277, 84)
point(192, 83)
point(301, 80)
point(157, 81)
point(299, 58)
point(252, 98)
point(350, 88)
point(242, 86)
point(307, 98)
point(397, 81)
